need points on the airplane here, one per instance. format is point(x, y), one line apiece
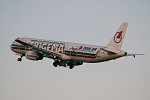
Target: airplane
point(71, 54)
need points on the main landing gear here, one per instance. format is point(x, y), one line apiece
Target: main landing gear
point(63, 63)
point(71, 65)
point(56, 63)
point(20, 59)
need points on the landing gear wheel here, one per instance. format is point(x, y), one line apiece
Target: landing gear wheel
point(20, 59)
point(56, 63)
point(71, 66)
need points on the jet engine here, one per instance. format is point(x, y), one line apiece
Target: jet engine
point(34, 55)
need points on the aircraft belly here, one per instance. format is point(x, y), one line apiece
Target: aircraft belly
point(90, 60)
point(108, 57)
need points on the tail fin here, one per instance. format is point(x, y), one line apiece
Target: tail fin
point(117, 39)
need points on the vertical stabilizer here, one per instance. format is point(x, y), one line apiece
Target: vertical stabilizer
point(117, 39)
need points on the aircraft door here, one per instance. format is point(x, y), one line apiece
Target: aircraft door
point(73, 51)
point(99, 52)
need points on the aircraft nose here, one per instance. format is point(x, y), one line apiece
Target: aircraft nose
point(11, 46)
point(14, 47)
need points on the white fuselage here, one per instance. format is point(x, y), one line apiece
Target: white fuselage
point(76, 52)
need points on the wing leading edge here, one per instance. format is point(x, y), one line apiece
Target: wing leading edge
point(52, 54)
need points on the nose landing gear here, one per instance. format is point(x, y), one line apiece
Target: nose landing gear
point(20, 59)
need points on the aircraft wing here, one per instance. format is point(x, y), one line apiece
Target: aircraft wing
point(52, 54)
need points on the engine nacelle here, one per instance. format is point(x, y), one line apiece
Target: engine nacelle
point(34, 55)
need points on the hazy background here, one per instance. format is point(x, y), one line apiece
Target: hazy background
point(82, 21)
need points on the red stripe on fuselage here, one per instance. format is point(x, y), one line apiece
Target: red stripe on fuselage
point(27, 49)
point(14, 47)
point(84, 56)
point(67, 54)
point(98, 52)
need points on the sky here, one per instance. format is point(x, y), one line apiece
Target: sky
point(81, 21)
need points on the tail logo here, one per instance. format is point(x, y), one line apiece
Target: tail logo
point(118, 37)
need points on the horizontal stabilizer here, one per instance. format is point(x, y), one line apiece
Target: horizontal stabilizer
point(129, 54)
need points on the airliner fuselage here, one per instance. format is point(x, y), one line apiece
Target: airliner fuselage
point(71, 51)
